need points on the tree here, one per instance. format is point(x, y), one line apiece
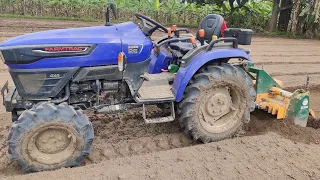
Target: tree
point(240, 3)
point(275, 12)
point(306, 17)
point(285, 15)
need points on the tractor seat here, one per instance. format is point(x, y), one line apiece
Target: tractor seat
point(182, 47)
point(211, 24)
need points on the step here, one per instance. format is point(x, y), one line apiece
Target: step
point(158, 119)
point(156, 88)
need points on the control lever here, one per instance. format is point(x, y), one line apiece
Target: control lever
point(201, 35)
point(193, 42)
point(169, 32)
point(176, 33)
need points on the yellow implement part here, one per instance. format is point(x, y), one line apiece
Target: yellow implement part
point(273, 103)
point(276, 102)
point(283, 93)
point(313, 114)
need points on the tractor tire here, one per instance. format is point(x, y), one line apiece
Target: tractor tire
point(216, 103)
point(49, 137)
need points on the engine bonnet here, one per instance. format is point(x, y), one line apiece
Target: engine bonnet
point(76, 47)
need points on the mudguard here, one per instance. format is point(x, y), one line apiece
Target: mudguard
point(185, 73)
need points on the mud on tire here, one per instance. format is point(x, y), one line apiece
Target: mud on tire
point(216, 103)
point(49, 137)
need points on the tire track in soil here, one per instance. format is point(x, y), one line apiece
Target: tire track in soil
point(139, 146)
point(126, 134)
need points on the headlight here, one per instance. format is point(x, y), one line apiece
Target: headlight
point(1, 57)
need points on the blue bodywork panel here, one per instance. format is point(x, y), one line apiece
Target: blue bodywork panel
point(185, 74)
point(133, 38)
point(109, 41)
point(158, 63)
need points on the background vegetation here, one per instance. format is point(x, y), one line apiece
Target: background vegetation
point(294, 16)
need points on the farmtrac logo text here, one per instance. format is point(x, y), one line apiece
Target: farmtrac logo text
point(65, 49)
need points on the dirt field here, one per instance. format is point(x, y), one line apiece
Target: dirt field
point(126, 148)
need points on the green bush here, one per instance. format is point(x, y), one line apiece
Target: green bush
point(254, 14)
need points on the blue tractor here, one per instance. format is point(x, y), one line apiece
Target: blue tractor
point(115, 67)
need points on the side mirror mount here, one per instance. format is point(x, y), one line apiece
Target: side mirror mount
point(113, 9)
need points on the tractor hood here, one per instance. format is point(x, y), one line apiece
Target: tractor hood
point(87, 35)
point(77, 47)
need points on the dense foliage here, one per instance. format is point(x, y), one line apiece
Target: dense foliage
point(253, 14)
point(306, 18)
point(296, 16)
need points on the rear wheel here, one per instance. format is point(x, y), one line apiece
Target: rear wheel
point(49, 137)
point(216, 103)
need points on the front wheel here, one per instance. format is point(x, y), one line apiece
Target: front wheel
point(49, 137)
point(216, 103)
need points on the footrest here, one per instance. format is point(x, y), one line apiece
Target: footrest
point(155, 88)
point(158, 119)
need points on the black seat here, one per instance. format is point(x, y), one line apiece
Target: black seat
point(211, 24)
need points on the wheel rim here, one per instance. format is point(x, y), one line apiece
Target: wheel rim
point(52, 141)
point(220, 108)
point(51, 144)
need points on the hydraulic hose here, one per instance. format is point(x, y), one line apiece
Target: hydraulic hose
point(66, 97)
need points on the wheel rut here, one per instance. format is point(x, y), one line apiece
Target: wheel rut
point(126, 134)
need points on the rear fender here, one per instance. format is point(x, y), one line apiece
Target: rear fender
point(185, 73)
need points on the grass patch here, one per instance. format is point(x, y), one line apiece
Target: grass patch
point(283, 34)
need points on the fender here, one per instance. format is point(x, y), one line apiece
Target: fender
point(185, 74)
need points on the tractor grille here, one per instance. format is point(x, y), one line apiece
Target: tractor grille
point(32, 83)
point(41, 83)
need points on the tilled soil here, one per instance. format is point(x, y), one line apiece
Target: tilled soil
point(268, 156)
point(127, 148)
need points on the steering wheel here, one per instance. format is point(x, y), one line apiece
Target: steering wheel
point(149, 25)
